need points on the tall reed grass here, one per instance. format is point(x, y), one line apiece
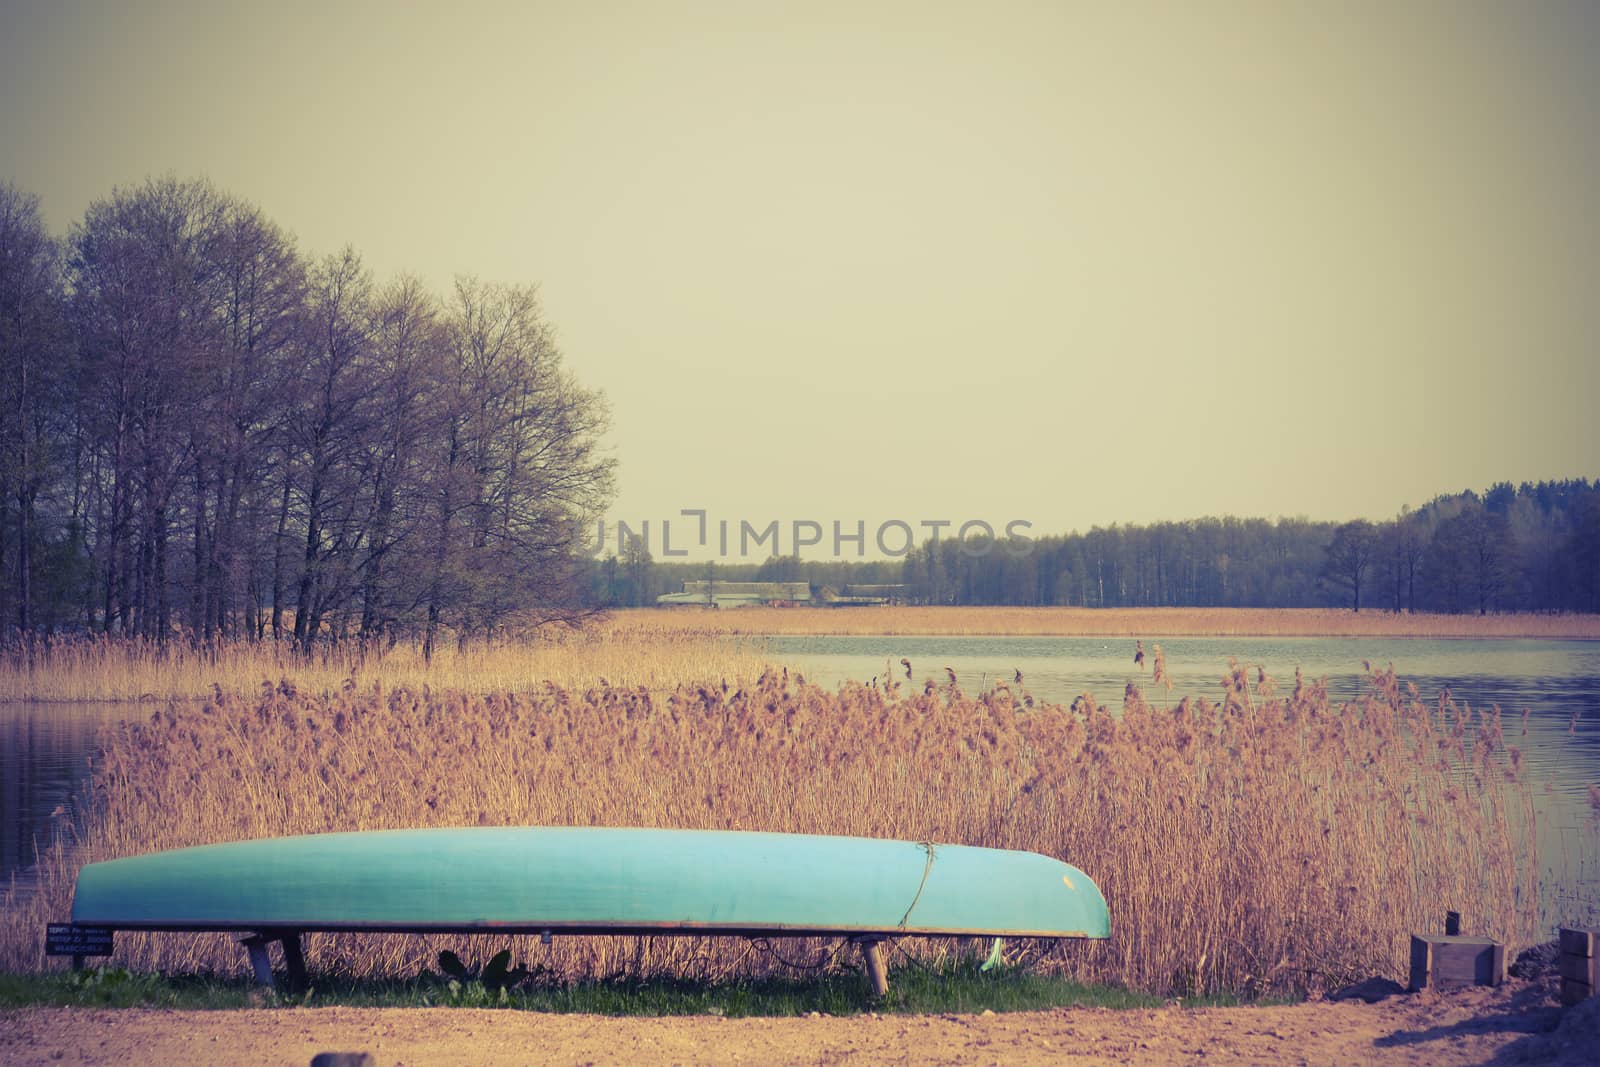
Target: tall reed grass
point(1265, 842)
point(120, 669)
point(1103, 622)
point(655, 648)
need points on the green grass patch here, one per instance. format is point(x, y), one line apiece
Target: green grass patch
point(914, 990)
point(112, 987)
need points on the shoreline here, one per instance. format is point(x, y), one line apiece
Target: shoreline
point(922, 621)
point(662, 648)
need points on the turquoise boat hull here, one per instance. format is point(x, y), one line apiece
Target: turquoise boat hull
point(594, 880)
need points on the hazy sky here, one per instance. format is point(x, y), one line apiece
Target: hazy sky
point(1069, 263)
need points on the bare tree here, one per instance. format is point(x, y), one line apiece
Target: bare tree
point(519, 471)
point(1494, 559)
point(33, 371)
point(408, 345)
point(139, 268)
point(258, 288)
point(325, 426)
point(1350, 555)
point(1401, 545)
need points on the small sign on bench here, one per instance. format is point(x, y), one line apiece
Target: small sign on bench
point(67, 939)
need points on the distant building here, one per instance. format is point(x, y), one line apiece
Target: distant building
point(713, 593)
point(863, 595)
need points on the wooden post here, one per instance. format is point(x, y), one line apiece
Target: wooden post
point(1452, 924)
point(294, 961)
point(1421, 963)
point(1579, 964)
point(260, 962)
point(872, 952)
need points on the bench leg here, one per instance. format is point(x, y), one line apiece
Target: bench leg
point(260, 962)
point(872, 952)
point(294, 962)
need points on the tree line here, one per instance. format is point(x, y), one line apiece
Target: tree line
point(207, 431)
point(1532, 547)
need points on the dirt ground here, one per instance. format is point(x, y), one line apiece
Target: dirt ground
point(1519, 1023)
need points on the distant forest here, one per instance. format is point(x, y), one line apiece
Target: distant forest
point(1533, 547)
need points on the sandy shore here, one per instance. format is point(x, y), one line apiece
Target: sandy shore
point(1517, 1023)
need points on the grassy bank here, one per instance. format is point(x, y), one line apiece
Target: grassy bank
point(913, 989)
point(1098, 622)
point(1270, 842)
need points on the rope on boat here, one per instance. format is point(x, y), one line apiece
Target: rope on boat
point(927, 868)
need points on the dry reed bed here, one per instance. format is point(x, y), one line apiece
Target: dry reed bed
point(117, 669)
point(1264, 842)
point(1102, 622)
point(653, 648)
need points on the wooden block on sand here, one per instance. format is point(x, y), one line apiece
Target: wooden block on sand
point(1579, 964)
point(1440, 961)
point(1576, 941)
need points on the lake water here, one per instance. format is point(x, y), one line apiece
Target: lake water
point(46, 747)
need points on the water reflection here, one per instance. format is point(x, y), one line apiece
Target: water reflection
point(43, 761)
